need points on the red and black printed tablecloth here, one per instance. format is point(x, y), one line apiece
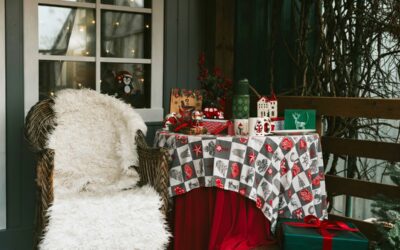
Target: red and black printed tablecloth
point(284, 175)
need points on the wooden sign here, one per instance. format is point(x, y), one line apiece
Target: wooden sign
point(183, 100)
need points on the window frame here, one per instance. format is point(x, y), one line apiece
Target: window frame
point(3, 200)
point(32, 56)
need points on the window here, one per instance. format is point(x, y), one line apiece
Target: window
point(112, 46)
point(2, 121)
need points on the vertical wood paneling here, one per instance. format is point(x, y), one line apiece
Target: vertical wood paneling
point(20, 190)
point(171, 48)
point(189, 30)
point(224, 36)
point(195, 40)
point(183, 42)
point(14, 111)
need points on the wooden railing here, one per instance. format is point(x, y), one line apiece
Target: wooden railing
point(353, 108)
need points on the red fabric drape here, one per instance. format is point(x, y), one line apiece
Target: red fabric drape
point(211, 218)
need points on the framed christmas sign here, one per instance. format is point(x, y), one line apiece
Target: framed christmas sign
point(185, 100)
point(299, 119)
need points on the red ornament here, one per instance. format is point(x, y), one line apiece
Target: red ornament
point(258, 202)
point(179, 190)
point(235, 170)
point(295, 169)
point(252, 157)
point(306, 195)
point(286, 144)
point(268, 148)
point(188, 171)
point(303, 144)
point(219, 184)
point(316, 181)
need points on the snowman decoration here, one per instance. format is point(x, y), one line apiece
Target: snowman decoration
point(125, 81)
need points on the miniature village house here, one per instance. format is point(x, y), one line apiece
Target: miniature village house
point(267, 107)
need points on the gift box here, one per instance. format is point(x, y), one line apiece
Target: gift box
point(325, 235)
point(216, 127)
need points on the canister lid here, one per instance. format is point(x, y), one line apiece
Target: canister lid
point(242, 87)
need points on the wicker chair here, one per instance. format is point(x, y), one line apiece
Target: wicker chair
point(40, 121)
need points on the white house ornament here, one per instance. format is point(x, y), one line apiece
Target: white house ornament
point(267, 107)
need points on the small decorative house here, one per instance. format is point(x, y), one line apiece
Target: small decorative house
point(263, 107)
point(273, 106)
point(267, 107)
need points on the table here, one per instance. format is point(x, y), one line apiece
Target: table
point(282, 175)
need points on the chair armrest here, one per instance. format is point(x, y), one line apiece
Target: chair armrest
point(153, 168)
point(45, 192)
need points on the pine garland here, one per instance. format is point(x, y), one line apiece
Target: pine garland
point(388, 212)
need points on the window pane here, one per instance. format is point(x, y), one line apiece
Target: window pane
point(56, 75)
point(130, 82)
point(130, 3)
point(125, 35)
point(67, 31)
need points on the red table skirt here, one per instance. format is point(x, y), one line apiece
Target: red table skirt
point(211, 218)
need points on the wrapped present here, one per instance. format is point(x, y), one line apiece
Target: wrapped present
point(315, 234)
point(216, 127)
point(277, 123)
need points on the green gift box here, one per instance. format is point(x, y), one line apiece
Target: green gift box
point(299, 119)
point(297, 237)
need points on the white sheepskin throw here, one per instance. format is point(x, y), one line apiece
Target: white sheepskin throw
point(124, 220)
point(96, 205)
point(94, 142)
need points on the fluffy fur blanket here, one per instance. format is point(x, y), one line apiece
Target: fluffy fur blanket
point(124, 220)
point(94, 145)
point(94, 142)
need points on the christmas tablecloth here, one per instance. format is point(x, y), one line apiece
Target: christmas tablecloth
point(284, 175)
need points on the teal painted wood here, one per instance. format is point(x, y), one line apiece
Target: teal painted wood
point(20, 166)
point(189, 30)
point(262, 34)
point(152, 128)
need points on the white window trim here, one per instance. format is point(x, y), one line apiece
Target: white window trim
point(32, 56)
point(3, 202)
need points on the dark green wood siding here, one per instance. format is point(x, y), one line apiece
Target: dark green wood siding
point(189, 30)
point(262, 35)
point(19, 166)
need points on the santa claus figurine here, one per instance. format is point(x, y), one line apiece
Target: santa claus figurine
point(170, 120)
point(197, 119)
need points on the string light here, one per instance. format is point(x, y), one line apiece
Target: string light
point(51, 93)
point(79, 85)
point(93, 21)
point(67, 27)
point(81, 29)
point(87, 52)
point(133, 51)
point(107, 51)
point(147, 26)
point(116, 23)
